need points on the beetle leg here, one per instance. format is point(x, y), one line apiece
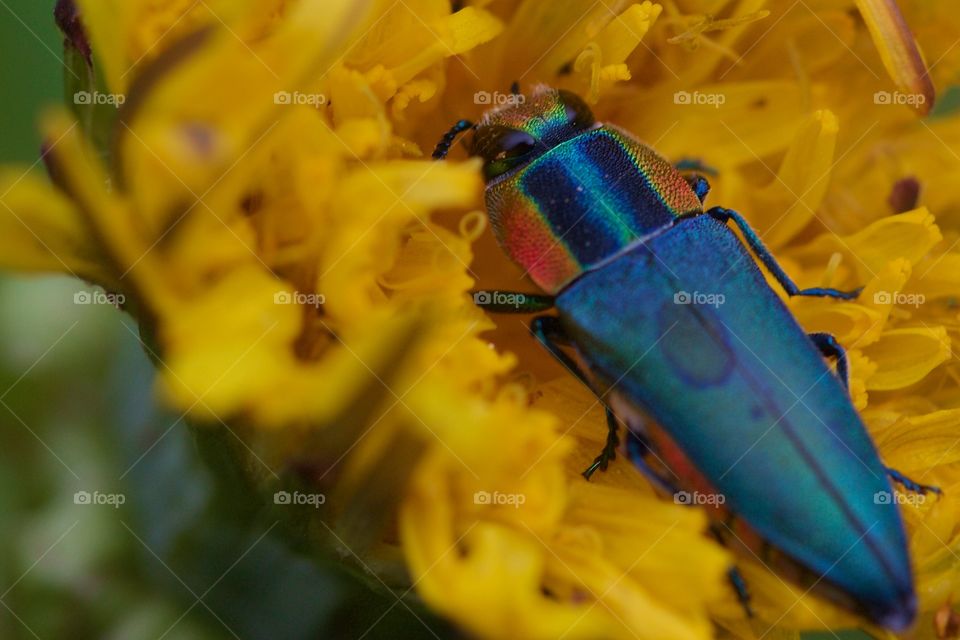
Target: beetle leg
point(609, 451)
point(911, 485)
point(548, 331)
point(764, 255)
point(735, 577)
point(830, 348)
point(740, 586)
point(512, 301)
point(637, 451)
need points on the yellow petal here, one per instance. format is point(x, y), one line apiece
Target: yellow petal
point(541, 40)
point(707, 59)
point(791, 199)
point(641, 615)
point(220, 362)
point(40, 230)
point(861, 368)
point(601, 63)
point(884, 290)
point(623, 521)
point(852, 324)
point(898, 50)
point(799, 37)
point(904, 356)
point(178, 140)
point(787, 606)
point(856, 324)
point(382, 198)
point(488, 576)
point(729, 125)
point(707, 24)
point(450, 35)
point(108, 217)
point(921, 442)
point(620, 37)
point(938, 277)
point(102, 20)
point(907, 235)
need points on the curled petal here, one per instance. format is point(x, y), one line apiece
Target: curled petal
point(907, 235)
point(791, 199)
point(898, 50)
point(905, 356)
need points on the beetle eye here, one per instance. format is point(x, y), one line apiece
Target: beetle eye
point(578, 113)
point(515, 143)
point(502, 148)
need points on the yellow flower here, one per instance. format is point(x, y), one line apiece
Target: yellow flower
point(301, 272)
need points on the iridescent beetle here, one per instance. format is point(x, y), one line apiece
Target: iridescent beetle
point(741, 400)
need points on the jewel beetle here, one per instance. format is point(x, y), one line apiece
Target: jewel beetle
point(660, 309)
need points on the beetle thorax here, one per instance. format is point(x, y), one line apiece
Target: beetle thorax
point(582, 202)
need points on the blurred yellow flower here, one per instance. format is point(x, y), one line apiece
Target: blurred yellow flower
point(301, 272)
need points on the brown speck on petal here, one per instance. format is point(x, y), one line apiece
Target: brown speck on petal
point(252, 203)
point(201, 138)
point(904, 195)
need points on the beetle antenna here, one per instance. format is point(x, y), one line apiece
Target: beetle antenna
point(443, 147)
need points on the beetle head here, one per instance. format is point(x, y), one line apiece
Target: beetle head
point(510, 136)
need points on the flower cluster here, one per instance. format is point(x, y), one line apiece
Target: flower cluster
point(264, 202)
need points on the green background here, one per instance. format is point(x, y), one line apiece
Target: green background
point(76, 414)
